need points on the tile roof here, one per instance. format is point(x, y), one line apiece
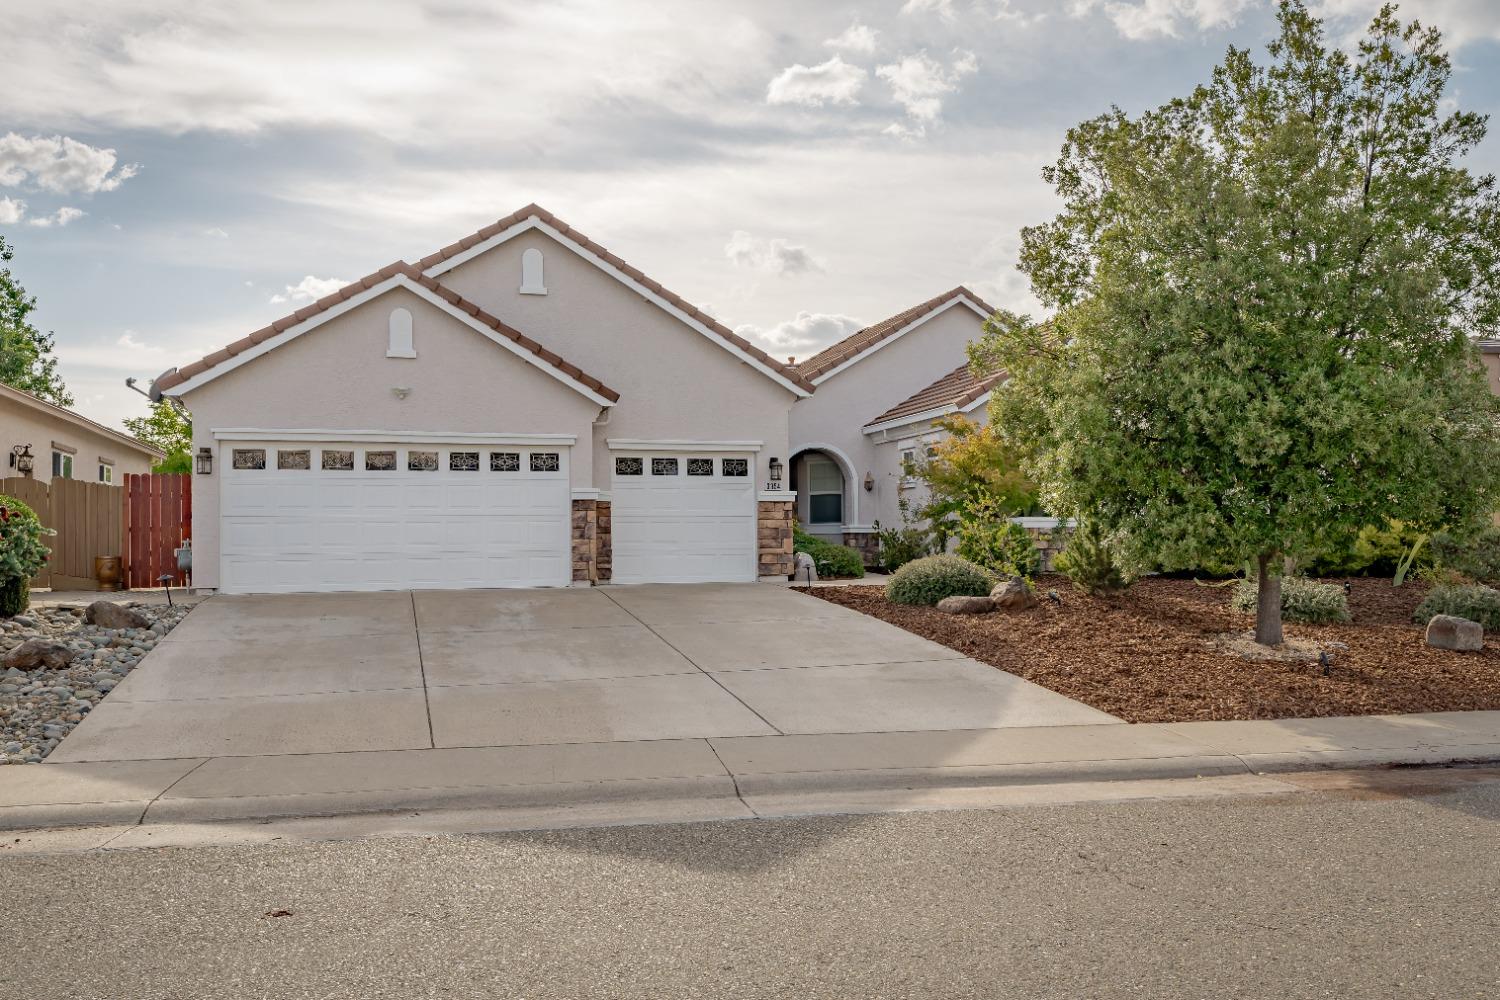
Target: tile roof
point(788, 372)
point(176, 376)
point(862, 340)
point(1490, 346)
point(955, 390)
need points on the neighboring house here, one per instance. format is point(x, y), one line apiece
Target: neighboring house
point(879, 392)
point(1489, 352)
point(64, 445)
point(521, 408)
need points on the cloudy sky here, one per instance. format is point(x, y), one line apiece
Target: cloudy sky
point(175, 173)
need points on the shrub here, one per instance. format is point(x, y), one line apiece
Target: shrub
point(899, 546)
point(927, 581)
point(1473, 601)
point(1000, 546)
point(1305, 601)
point(1476, 556)
point(1088, 560)
point(830, 559)
point(1373, 551)
point(22, 553)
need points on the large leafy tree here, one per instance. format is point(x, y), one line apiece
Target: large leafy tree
point(26, 359)
point(167, 429)
point(1264, 295)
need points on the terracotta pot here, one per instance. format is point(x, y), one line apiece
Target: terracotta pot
point(107, 572)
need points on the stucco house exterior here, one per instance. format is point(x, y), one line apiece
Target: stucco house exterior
point(1489, 352)
point(879, 392)
point(64, 445)
point(520, 408)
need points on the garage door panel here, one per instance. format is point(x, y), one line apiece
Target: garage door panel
point(680, 528)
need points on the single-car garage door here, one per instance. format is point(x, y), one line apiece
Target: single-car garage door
point(683, 518)
point(325, 516)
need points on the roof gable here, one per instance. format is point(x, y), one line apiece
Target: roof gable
point(861, 343)
point(372, 286)
point(957, 391)
point(78, 420)
point(535, 217)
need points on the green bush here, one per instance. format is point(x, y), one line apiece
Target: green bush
point(1088, 560)
point(1476, 555)
point(988, 538)
point(1473, 601)
point(830, 559)
point(1304, 601)
point(929, 580)
point(1372, 551)
point(899, 546)
point(22, 554)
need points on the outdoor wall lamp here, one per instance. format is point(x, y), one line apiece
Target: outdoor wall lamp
point(775, 470)
point(203, 462)
point(869, 482)
point(21, 459)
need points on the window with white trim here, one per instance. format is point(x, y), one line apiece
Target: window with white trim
point(825, 491)
point(106, 472)
point(62, 465)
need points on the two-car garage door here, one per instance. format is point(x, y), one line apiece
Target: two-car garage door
point(322, 516)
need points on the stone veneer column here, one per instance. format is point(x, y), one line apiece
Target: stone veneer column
point(866, 543)
point(585, 534)
point(774, 532)
point(604, 559)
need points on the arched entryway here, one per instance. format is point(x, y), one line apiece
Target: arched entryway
point(827, 502)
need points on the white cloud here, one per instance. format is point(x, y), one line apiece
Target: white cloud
point(1461, 21)
point(1140, 20)
point(12, 210)
point(805, 334)
point(942, 8)
point(1005, 10)
point(774, 256)
point(918, 82)
point(60, 164)
point(59, 218)
point(309, 289)
point(833, 82)
point(855, 38)
point(216, 232)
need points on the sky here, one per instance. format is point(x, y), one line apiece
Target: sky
point(177, 173)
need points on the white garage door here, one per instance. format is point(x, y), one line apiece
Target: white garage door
point(683, 518)
point(298, 517)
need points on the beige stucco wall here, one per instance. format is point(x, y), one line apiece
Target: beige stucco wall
point(1492, 365)
point(674, 382)
point(21, 423)
point(337, 377)
point(843, 404)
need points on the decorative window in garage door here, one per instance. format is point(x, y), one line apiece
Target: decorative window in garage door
point(380, 461)
point(337, 460)
point(505, 461)
point(249, 458)
point(736, 466)
point(545, 461)
point(700, 466)
point(300, 458)
point(664, 466)
point(422, 461)
point(463, 461)
point(630, 466)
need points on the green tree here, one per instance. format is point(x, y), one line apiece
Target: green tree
point(970, 468)
point(167, 429)
point(26, 360)
point(1264, 295)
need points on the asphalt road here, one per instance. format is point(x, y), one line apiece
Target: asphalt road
point(1313, 895)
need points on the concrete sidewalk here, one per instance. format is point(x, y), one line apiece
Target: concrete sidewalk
point(742, 773)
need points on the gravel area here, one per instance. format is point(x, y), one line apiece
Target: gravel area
point(40, 707)
point(1156, 653)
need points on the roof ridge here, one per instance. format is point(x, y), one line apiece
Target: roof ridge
point(790, 372)
point(173, 377)
point(861, 340)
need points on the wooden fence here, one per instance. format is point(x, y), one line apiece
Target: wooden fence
point(86, 517)
point(158, 516)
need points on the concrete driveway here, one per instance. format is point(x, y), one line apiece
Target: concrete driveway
point(334, 673)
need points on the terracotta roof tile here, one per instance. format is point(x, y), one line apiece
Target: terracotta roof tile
point(177, 376)
point(862, 340)
point(957, 389)
point(789, 372)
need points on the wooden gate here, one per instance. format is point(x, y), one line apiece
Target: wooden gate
point(86, 517)
point(158, 517)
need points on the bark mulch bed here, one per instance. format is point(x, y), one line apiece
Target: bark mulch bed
point(1148, 655)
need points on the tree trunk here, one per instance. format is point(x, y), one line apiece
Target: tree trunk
point(1267, 604)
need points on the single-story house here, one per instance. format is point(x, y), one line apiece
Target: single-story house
point(879, 393)
point(59, 444)
point(520, 408)
point(1489, 352)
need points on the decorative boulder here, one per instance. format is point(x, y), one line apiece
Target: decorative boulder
point(1452, 632)
point(966, 605)
point(107, 614)
point(34, 654)
point(804, 568)
point(1013, 595)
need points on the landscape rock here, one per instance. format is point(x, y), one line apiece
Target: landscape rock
point(804, 568)
point(966, 605)
point(1452, 632)
point(1013, 595)
point(34, 654)
point(107, 614)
